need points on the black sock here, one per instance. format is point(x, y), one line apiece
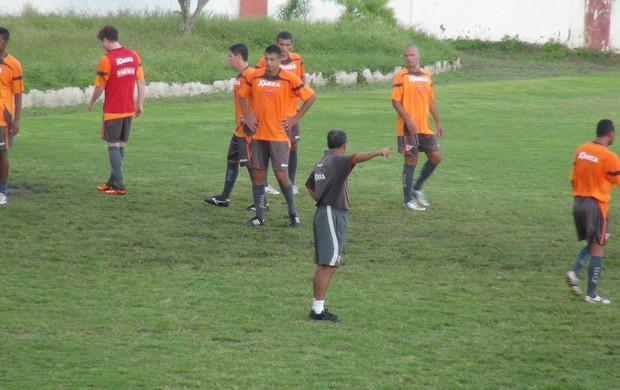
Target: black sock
point(594, 274)
point(292, 165)
point(232, 171)
point(116, 162)
point(581, 259)
point(408, 181)
point(290, 199)
point(258, 193)
point(427, 170)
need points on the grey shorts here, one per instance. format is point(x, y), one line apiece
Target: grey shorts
point(590, 222)
point(293, 133)
point(6, 139)
point(238, 150)
point(329, 227)
point(116, 130)
point(412, 145)
point(262, 151)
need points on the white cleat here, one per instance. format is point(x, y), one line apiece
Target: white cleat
point(269, 190)
point(413, 205)
point(419, 196)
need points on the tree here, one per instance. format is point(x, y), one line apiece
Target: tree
point(366, 11)
point(187, 20)
point(294, 10)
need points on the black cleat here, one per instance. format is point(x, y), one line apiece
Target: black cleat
point(254, 222)
point(323, 316)
point(217, 201)
point(295, 222)
point(253, 208)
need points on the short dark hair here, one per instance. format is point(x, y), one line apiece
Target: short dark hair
point(604, 127)
point(284, 35)
point(108, 32)
point(4, 33)
point(239, 49)
point(336, 138)
point(273, 49)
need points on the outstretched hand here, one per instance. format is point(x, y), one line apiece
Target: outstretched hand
point(386, 152)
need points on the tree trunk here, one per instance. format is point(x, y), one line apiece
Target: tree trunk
point(187, 19)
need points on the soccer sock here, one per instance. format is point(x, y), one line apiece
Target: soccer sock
point(3, 185)
point(292, 165)
point(232, 170)
point(594, 273)
point(290, 198)
point(581, 259)
point(427, 170)
point(116, 162)
point(408, 181)
point(122, 152)
point(318, 305)
point(258, 193)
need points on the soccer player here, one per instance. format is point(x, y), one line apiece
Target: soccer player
point(413, 98)
point(237, 151)
point(118, 72)
point(328, 186)
point(272, 90)
point(595, 170)
point(11, 89)
point(293, 63)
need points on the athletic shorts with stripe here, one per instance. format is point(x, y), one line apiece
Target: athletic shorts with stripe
point(329, 227)
point(238, 150)
point(116, 130)
point(262, 151)
point(590, 222)
point(412, 145)
point(6, 138)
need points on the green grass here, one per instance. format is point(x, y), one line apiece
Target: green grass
point(157, 290)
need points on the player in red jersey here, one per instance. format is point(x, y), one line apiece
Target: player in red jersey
point(11, 89)
point(119, 71)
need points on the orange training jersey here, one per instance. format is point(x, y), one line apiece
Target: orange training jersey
point(240, 80)
point(293, 64)
point(117, 73)
point(595, 170)
point(414, 90)
point(11, 84)
point(272, 96)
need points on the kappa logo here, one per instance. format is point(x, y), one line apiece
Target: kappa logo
point(288, 67)
point(418, 79)
point(319, 176)
point(586, 156)
point(122, 61)
point(408, 147)
point(237, 82)
point(269, 83)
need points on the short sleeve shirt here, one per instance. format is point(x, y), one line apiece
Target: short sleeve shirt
point(595, 170)
point(329, 180)
point(11, 84)
point(414, 90)
point(272, 97)
point(240, 80)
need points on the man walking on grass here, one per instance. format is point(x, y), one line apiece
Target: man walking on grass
point(595, 170)
point(11, 89)
point(413, 99)
point(328, 186)
point(119, 71)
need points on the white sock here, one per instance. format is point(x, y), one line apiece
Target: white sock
point(318, 306)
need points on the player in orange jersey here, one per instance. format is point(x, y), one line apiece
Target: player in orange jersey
point(413, 99)
point(272, 90)
point(239, 143)
point(295, 64)
point(595, 170)
point(119, 71)
point(11, 89)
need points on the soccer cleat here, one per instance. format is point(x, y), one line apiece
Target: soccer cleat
point(254, 222)
point(573, 283)
point(216, 201)
point(104, 187)
point(413, 205)
point(269, 190)
point(596, 299)
point(420, 198)
point(295, 190)
point(323, 316)
point(252, 208)
point(3, 198)
point(295, 221)
point(116, 191)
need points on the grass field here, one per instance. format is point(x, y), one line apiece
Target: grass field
point(157, 290)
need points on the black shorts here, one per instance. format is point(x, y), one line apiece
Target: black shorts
point(590, 222)
point(6, 138)
point(413, 144)
point(238, 150)
point(293, 133)
point(262, 151)
point(329, 228)
point(116, 130)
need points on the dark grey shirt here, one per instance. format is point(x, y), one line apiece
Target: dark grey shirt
point(329, 180)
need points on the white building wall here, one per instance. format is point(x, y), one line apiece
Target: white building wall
point(614, 34)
